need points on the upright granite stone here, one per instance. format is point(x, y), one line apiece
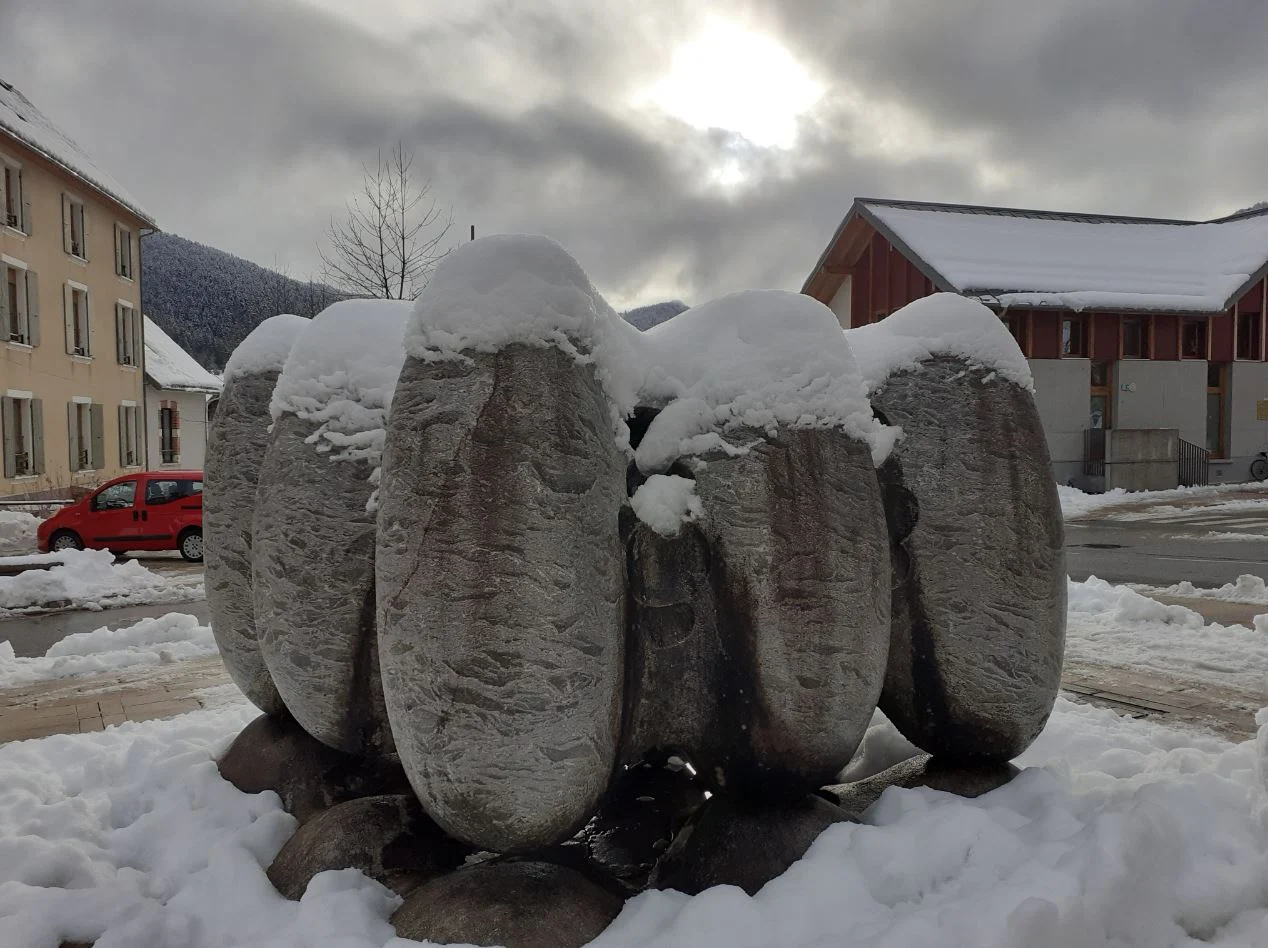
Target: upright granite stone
point(314, 527)
point(237, 437)
point(765, 615)
point(500, 574)
point(979, 602)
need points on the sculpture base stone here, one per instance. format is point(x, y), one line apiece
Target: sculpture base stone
point(923, 771)
point(274, 753)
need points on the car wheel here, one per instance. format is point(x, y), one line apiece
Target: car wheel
point(65, 540)
point(191, 545)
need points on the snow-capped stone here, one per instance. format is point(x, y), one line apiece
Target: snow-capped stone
point(665, 502)
point(266, 347)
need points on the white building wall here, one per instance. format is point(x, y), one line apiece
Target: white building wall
point(1062, 392)
point(840, 304)
point(193, 428)
point(1247, 436)
point(1157, 394)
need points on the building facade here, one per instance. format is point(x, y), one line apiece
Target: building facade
point(179, 393)
point(1128, 323)
point(72, 397)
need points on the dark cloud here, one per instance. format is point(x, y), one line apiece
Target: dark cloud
point(243, 123)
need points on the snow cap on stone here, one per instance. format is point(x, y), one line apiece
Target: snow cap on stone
point(943, 324)
point(758, 359)
point(266, 347)
point(341, 373)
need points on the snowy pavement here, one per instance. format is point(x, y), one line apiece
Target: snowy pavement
point(93, 580)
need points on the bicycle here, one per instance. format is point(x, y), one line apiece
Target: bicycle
point(1259, 467)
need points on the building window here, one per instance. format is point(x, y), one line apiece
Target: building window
point(19, 305)
point(123, 251)
point(129, 436)
point(1019, 326)
point(87, 436)
point(74, 234)
point(169, 432)
point(1135, 337)
point(22, 427)
point(1100, 405)
point(127, 334)
point(1074, 337)
point(15, 205)
point(1248, 329)
point(78, 325)
point(1193, 339)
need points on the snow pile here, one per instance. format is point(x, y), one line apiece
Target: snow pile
point(1115, 625)
point(1125, 833)
point(266, 347)
point(91, 579)
point(171, 367)
point(1075, 503)
point(665, 502)
point(341, 373)
point(758, 359)
point(17, 531)
point(943, 324)
point(1247, 588)
point(170, 638)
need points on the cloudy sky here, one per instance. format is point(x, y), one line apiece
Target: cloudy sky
point(676, 147)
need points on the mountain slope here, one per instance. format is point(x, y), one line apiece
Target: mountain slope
point(208, 300)
point(645, 317)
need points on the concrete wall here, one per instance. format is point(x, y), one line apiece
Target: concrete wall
point(46, 370)
point(1142, 458)
point(1247, 384)
point(192, 407)
point(840, 304)
point(1062, 389)
point(1166, 395)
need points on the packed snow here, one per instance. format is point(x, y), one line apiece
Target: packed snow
point(1029, 260)
point(1247, 588)
point(943, 324)
point(17, 531)
point(266, 347)
point(91, 579)
point(665, 502)
point(1075, 503)
point(159, 641)
point(1120, 832)
point(171, 367)
point(340, 375)
point(1115, 625)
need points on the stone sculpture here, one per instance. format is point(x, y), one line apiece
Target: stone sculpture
point(529, 586)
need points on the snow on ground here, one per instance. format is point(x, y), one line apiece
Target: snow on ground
point(1248, 589)
point(17, 531)
point(91, 579)
point(157, 641)
point(1121, 833)
point(1115, 625)
point(1236, 537)
point(1075, 503)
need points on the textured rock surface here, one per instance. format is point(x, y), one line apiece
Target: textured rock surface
point(501, 593)
point(236, 441)
point(732, 842)
point(978, 627)
point(274, 753)
point(516, 904)
point(389, 838)
point(923, 771)
point(768, 617)
point(314, 590)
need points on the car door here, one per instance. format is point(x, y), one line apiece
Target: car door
point(162, 512)
point(113, 520)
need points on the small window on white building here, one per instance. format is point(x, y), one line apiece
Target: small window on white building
point(129, 436)
point(22, 427)
point(127, 334)
point(87, 436)
point(74, 232)
point(78, 323)
point(19, 305)
point(15, 203)
point(123, 251)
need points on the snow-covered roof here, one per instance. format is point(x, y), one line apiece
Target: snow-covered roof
point(169, 366)
point(1077, 261)
point(27, 124)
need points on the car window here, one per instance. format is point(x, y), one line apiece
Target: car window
point(116, 497)
point(161, 491)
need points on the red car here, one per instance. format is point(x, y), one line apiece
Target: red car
point(154, 510)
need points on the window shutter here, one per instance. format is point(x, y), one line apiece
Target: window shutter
point(72, 415)
point(87, 324)
point(8, 408)
point(37, 435)
point(68, 310)
point(118, 250)
point(123, 437)
point(66, 223)
point(83, 230)
point(4, 298)
point(119, 350)
point(26, 205)
point(137, 345)
point(3, 191)
point(98, 457)
point(32, 308)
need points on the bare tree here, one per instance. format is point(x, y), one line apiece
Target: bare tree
point(391, 240)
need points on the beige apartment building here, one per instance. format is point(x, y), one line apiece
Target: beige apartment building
point(72, 391)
